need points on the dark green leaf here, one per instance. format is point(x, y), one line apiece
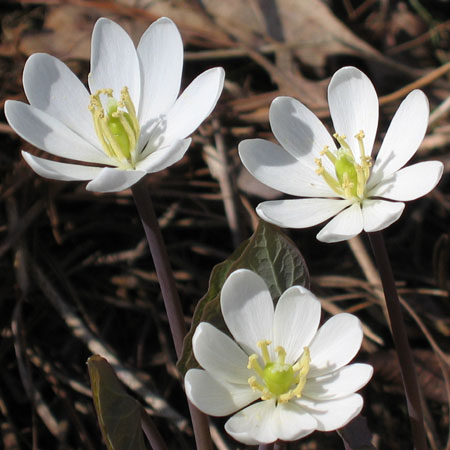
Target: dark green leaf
point(269, 253)
point(119, 415)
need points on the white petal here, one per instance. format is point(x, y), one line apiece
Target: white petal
point(164, 157)
point(338, 384)
point(410, 182)
point(114, 61)
point(60, 171)
point(293, 422)
point(160, 51)
point(52, 87)
point(194, 105)
point(299, 131)
point(247, 309)
point(344, 226)
point(300, 213)
point(295, 322)
point(354, 107)
point(275, 167)
point(220, 355)
point(403, 137)
point(379, 214)
point(335, 344)
point(333, 414)
point(49, 134)
point(254, 424)
point(214, 397)
point(113, 180)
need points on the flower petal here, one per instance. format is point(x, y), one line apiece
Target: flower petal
point(335, 344)
point(295, 322)
point(293, 422)
point(403, 137)
point(410, 182)
point(275, 167)
point(220, 355)
point(114, 61)
point(300, 213)
point(338, 384)
point(164, 157)
point(332, 414)
point(160, 51)
point(353, 105)
point(113, 180)
point(60, 171)
point(213, 397)
point(379, 214)
point(247, 309)
point(299, 131)
point(49, 134)
point(53, 88)
point(194, 105)
point(344, 226)
point(254, 424)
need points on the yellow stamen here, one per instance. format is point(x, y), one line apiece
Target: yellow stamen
point(117, 128)
point(281, 355)
point(264, 351)
point(302, 366)
point(277, 379)
point(350, 178)
point(253, 364)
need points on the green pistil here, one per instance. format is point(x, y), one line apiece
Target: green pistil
point(278, 379)
point(118, 130)
point(350, 177)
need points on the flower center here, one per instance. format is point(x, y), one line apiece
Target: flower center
point(118, 128)
point(277, 379)
point(351, 177)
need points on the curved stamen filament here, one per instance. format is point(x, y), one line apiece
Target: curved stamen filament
point(350, 177)
point(277, 379)
point(117, 128)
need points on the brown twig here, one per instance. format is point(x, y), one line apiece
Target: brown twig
point(416, 84)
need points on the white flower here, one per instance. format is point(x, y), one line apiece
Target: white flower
point(131, 125)
point(293, 376)
point(342, 182)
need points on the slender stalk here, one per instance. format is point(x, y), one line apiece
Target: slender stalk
point(171, 299)
point(151, 432)
point(273, 446)
point(402, 347)
point(265, 446)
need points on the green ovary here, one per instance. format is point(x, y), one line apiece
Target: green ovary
point(350, 178)
point(119, 134)
point(346, 173)
point(118, 128)
point(278, 377)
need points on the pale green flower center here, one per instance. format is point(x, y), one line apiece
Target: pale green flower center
point(117, 128)
point(351, 178)
point(277, 379)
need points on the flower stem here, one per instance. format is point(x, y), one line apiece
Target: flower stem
point(265, 446)
point(170, 296)
point(278, 445)
point(151, 432)
point(400, 338)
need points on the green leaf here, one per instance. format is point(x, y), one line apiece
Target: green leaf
point(269, 253)
point(119, 415)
